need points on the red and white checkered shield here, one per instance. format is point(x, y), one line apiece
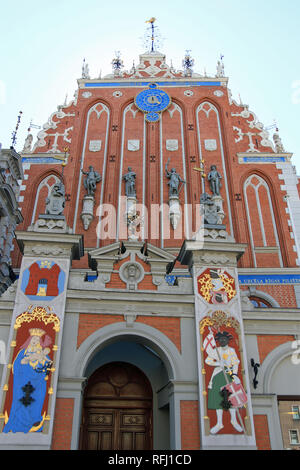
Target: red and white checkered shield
point(237, 397)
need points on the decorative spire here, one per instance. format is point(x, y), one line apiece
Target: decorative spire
point(133, 69)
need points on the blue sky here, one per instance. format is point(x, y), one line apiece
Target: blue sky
point(43, 45)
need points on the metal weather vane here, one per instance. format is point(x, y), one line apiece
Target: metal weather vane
point(117, 62)
point(188, 63)
point(14, 134)
point(152, 37)
point(151, 21)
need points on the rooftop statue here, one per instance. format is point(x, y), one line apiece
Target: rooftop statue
point(278, 143)
point(28, 144)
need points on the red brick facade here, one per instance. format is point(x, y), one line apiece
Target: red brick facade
point(267, 343)
point(201, 112)
point(262, 432)
point(89, 323)
point(63, 421)
point(190, 434)
point(116, 120)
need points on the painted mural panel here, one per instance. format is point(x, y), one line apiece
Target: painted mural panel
point(226, 401)
point(216, 286)
point(27, 393)
point(43, 280)
point(226, 415)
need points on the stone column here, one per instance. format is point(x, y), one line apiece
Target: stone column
point(226, 422)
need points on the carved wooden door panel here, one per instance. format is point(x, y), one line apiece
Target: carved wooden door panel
point(117, 411)
point(100, 430)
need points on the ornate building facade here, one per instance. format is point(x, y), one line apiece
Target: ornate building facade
point(157, 304)
point(11, 173)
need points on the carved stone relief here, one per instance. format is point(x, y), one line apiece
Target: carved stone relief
point(172, 145)
point(132, 273)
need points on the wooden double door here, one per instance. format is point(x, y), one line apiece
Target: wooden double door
point(117, 410)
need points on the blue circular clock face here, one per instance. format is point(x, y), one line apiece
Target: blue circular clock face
point(152, 101)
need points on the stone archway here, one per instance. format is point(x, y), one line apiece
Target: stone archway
point(153, 353)
point(117, 409)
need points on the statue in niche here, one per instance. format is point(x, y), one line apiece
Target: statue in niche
point(175, 180)
point(212, 212)
point(55, 203)
point(90, 182)
point(214, 179)
point(130, 178)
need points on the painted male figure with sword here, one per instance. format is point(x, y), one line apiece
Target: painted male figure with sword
point(226, 363)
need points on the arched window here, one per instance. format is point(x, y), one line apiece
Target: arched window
point(257, 302)
point(262, 227)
